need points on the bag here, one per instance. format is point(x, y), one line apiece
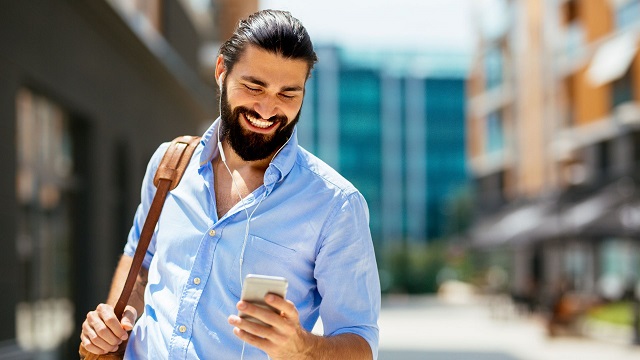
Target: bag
point(118, 355)
point(173, 164)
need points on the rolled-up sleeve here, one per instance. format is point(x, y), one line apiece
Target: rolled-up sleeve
point(347, 275)
point(147, 193)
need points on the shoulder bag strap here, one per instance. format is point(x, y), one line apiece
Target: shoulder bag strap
point(173, 164)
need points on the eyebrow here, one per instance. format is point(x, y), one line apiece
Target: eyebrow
point(259, 82)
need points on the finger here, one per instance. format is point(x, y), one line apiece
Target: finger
point(90, 347)
point(286, 307)
point(101, 321)
point(267, 316)
point(129, 318)
point(251, 327)
point(93, 342)
point(111, 323)
point(95, 325)
point(253, 340)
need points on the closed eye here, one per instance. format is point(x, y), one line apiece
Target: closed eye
point(251, 89)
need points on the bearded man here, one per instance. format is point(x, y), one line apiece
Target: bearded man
point(251, 201)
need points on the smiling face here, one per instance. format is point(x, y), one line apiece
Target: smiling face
point(261, 100)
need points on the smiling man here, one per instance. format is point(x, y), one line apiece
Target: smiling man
point(251, 201)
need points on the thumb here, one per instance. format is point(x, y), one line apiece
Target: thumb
point(129, 318)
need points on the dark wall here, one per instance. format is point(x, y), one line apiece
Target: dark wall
point(8, 259)
point(122, 102)
point(180, 33)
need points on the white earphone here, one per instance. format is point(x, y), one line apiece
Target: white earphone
point(249, 216)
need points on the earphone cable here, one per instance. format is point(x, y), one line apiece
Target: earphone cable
point(244, 205)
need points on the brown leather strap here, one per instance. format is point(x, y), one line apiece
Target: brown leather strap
point(173, 164)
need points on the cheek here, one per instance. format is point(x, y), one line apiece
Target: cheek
point(237, 102)
point(291, 110)
point(237, 97)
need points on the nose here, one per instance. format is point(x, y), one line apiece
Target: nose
point(266, 107)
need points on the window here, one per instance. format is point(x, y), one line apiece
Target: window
point(619, 262)
point(636, 150)
point(44, 315)
point(494, 65)
point(604, 164)
point(491, 192)
point(575, 39)
point(575, 35)
point(622, 89)
point(495, 132)
point(627, 13)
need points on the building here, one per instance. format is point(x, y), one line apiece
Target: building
point(553, 144)
point(393, 124)
point(88, 90)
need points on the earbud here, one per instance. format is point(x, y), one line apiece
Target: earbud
point(221, 152)
point(221, 81)
point(224, 160)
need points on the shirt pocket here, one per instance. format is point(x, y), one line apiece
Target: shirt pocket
point(262, 257)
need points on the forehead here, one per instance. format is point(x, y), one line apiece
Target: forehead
point(272, 68)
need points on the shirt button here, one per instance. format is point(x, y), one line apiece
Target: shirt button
point(182, 328)
point(212, 232)
point(196, 281)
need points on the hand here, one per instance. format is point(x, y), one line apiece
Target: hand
point(283, 339)
point(102, 332)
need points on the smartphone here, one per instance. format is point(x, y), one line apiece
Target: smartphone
point(256, 287)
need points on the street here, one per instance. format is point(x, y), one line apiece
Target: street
point(413, 328)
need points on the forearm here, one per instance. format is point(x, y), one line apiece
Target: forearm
point(343, 346)
point(120, 277)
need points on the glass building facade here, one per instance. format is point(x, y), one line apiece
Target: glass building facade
point(396, 133)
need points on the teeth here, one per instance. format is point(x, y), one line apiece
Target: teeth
point(263, 124)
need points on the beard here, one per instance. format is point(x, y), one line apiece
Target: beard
point(251, 146)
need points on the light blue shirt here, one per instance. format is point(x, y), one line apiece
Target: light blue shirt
point(309, 225)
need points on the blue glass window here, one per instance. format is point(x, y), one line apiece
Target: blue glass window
point(494, 64)
point(495, 132)
point(628, 13)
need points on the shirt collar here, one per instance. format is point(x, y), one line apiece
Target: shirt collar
point(279, 168)
point(209, 142)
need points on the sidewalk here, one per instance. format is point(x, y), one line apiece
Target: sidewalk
point(425, 327)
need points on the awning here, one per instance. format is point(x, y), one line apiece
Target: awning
point(517, 224)
point(595, 215)
point(610, 211)
point(612, 59)
point(622, 221)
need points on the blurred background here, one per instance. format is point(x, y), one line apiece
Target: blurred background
point(497, 143)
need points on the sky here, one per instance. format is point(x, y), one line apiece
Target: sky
point(430, 25)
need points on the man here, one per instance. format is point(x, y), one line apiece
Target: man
point(251, 202)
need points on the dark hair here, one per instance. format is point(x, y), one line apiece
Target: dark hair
point(276, 31)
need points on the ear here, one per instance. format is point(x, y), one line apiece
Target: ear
point(221, 70)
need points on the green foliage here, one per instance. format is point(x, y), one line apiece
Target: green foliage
point(459, 209)
point(420, 267)
point(620, 313)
